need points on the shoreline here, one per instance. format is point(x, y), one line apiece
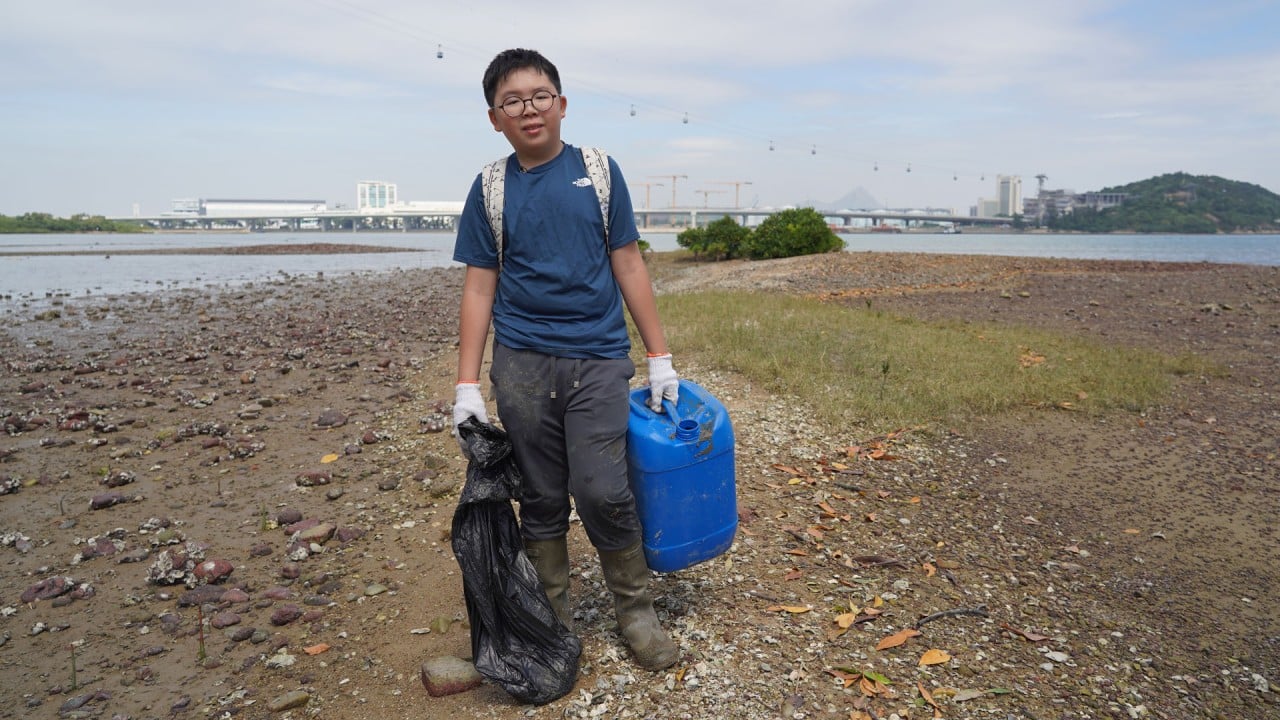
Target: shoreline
point(211, 420)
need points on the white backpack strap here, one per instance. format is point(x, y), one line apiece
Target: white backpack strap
point(597, 163)
point(493, 183)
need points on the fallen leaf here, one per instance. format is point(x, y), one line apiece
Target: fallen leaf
point(872, 517)
point(329, 458)
point(793, 575)
point(930, 570)
point(845, 620)
point(815, 532)
point(966, 695)
point(847, 678)
point(937, 711)
point(788, 469)
point(794, 609)
point(1132, 531)
point(316, 649)
point(897, 638)
point(934, 656)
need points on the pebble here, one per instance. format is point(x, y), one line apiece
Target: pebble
point(449, 675)
point(289, 701)
point(285, 614)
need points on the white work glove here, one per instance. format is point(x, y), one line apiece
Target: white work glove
point(467, 402)
point(664, 384)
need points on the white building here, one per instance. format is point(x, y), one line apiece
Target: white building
point(375, 195)
point(1009, 195)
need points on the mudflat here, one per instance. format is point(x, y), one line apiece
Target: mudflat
point(236, 503)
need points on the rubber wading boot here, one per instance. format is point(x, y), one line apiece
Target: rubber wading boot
point(550, 559)
point(627, 575)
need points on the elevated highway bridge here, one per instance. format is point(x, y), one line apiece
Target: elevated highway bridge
point(648, 218)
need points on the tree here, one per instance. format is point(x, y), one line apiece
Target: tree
point(799, 231)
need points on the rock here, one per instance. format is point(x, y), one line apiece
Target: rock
point(201, 595)
point(106, 500)
point(448, 675)
point(288, 516)
point(48, 588)
point(331, 419)
point(311, 478)
point(224, 620)
point(289, 700)
point(347, 534)
point(285, 614)
point(213, 570)
point(319, 533)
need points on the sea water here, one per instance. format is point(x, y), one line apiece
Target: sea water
point(29, 272)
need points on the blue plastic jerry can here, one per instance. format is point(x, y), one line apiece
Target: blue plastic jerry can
point(681, 464)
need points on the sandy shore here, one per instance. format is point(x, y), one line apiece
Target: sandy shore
point(212, 501)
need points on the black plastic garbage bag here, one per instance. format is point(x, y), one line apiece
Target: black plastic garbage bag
point(516, 639)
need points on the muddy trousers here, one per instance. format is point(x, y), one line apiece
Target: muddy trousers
point(567, 420)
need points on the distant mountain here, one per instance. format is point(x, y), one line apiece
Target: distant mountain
point(1181, 203)
point(857, 199)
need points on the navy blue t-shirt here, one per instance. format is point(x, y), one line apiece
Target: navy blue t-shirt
point(556, 291)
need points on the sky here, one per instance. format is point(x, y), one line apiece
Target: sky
point(108, 106)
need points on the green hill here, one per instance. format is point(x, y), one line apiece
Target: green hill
point(1181, 203)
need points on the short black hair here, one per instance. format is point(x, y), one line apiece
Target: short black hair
point(509, 61)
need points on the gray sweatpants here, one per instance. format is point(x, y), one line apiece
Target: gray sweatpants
point(567, 420)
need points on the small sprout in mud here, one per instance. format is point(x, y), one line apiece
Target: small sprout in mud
point(201, 654)
point(75, 682)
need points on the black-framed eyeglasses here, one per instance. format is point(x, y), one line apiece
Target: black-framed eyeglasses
point(514, 106)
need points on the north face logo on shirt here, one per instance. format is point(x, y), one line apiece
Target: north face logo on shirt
point(582, 182)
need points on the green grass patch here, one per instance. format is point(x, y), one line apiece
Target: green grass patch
point(858, 365)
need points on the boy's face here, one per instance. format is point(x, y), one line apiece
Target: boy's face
point(534, 135)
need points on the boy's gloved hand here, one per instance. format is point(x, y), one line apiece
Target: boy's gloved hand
point(467, 402)
point(664, 384)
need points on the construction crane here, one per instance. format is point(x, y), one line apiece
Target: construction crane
point(706, 199)
point(737, 188)
point(646, 192)
point(673, 179)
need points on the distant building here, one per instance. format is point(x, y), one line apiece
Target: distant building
point(1101, 200)
point(375, 195)
point(1056, 203)
point(191, 207)
point(986, 208)
point(1008, 195)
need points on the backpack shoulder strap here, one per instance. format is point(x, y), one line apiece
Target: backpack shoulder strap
point(493, 183)
point(597, 164)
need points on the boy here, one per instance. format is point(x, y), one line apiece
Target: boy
point(561, 366)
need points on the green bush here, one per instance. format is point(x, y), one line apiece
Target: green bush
point(693, 239)
point(799, 231)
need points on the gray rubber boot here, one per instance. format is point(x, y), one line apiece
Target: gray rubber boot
point(627, 575)
point(550, 559)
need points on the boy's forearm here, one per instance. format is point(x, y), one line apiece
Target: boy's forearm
point(637, 292)
point(473, 322)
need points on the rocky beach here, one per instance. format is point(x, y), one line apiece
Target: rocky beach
point(236, 502)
